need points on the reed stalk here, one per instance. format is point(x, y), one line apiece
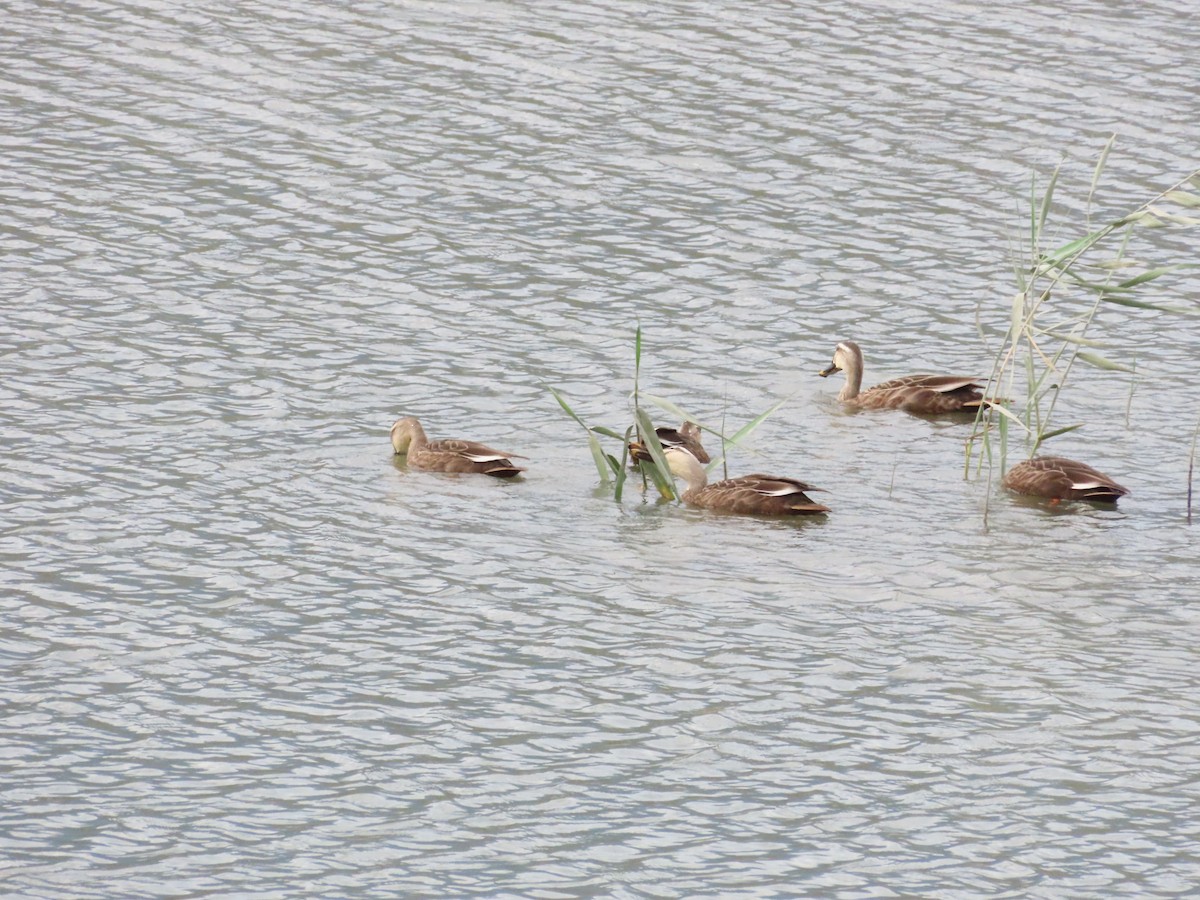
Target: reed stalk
point(1059, 293)
point(614, 470)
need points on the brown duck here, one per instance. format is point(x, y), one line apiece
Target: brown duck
point(1058, 478)
point(924, 394)
point(749, 495)
point(686, 436)
point(449, 454)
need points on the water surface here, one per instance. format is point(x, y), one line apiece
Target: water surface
point(247, 653)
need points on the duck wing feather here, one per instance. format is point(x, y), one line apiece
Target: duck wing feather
point(1059, 478)
point(758, 494)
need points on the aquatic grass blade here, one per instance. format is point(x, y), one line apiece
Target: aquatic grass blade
point(1191, 470)
point(1042, 438)
point(1122, 262)
point(602, 460)
point(1101, 362)
point(1122, 300)
point(637, 364)
point(1112, 140)
point(749, 427)
point(607, 432)
point(666, 488)
point(1011, 417)
point(1047, 198)
point(1057, 279)
point(1056, 258)
point(1132, 219)
point(1072, 338)
point(1166, 217)
point(659, 472)
point(1145, 276)
point(598, 455)
point(566, 406)
point(673, 408)
point(622, 467)
point(1017, 320)
point(1183, 198)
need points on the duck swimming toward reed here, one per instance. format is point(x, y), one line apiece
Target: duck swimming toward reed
point(1058, 478)
point(749, 495)
point(449, 454)
point(922, 394)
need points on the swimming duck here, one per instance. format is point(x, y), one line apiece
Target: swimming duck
point(449, 454)
point(1059, 478)
point(749, 495)
point(923, 394)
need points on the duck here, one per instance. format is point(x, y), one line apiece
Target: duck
point(748, 495)
point(1058, 478)
point(921, 394)
point(449, 454)
point(686, 435)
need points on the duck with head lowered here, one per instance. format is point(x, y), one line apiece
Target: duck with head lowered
point(749, 495)
point(1057, 478)
point(449, 454)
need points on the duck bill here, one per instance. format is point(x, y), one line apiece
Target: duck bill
point(638, 451)
point(825, 373)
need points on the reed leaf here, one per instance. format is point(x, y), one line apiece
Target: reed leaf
point(665, 486)
point(659, 472)
point(1145, 276)
point(1101, 362)
point(1056, 258)
point(749, 427)
point(621, 468)
point(1071, 338)
point(598, 456)
point(1011, 417)
point(1132, 219)
point(1178, 219)
point(1112, 140)
point(1121, 300)
point(1018, 313)
point(1047, 354)
point(637, 363)
point(1183, 198)
point(1122, 262)
point(1047, 196)
point(670, 407)
point(607, 432)
point(566, 406)
point(1190, 470)
point(1042, 438)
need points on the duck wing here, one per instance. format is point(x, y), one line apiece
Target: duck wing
point(455, 455)
point(1059, 478)
point(760, 495)
point(925, 394)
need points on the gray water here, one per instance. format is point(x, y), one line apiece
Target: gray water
point(246, 653)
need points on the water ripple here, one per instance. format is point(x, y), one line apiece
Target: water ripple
point(249, 653)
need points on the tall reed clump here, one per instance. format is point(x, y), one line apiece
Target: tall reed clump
point(1059, 293)
point(614, 468)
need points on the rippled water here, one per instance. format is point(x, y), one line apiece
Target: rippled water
point(248, 654)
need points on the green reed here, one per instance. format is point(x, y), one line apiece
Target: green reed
point(1191, 469)
point(614, 468)
point(1059, 293)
